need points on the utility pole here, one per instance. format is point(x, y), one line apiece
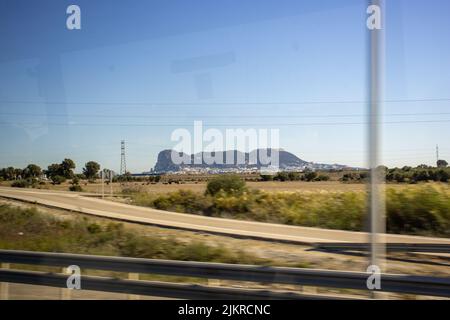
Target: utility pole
point(103, 185)
point(377, 206)
point(110, 183)
point(437, 154)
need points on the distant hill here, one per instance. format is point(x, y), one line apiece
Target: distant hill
point(287, 161)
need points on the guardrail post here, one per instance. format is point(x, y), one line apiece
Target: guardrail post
point(4, 286)
point(133, 276)
point(65, 293)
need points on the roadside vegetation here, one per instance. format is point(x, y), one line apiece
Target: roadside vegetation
point(419, 210)
point(30, 229)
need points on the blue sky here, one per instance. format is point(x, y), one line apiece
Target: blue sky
point(138, 70)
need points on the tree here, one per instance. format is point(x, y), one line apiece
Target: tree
point(53, 170)
point(8, 173)
point(64, 169)
point(442, 164)
point(91, 169)
point(17, 173)
point(32, 171)
point(420, 175)
point(67, 167)
point(442, 175)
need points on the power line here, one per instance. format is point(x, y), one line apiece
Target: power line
point(221, 116)
point(222, 124)
point(183, 103)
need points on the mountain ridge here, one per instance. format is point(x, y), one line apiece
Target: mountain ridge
point(203, 161)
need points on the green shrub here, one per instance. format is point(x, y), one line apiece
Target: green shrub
point(75, 188)
point(294, 176)
point(322, 177)
point(29, 229)
point(310, 176)
point(282, 176)
point(267, 177)
point(424, 210)
point(181, 201)
point(230, 184)
point(58, 179)
point(421, 209)
point(20, 184)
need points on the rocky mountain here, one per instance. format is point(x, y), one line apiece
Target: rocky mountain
point(204, 162)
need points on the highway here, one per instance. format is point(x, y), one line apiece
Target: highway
point(78, 202)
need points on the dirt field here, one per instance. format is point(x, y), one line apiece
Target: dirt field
point(270, 186)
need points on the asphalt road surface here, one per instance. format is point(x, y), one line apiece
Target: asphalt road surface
point(267, 231)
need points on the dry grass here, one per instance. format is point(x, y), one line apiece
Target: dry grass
point(277, 253)
point(160, 188)
point(269, 186)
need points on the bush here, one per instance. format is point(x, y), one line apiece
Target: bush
point(20, 184)
point(230, 184)
point(267, 177)
point(58, 179)
point(43, 232)
point(75, 188)
point(421, 209)
point(183, 201)
point(310, 176)
point(294, 176)
point(424, 210)
point(323, 177)
point(282, 176)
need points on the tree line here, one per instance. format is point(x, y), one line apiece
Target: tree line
point(295, 176)
point(56, 172)
point(421, 173)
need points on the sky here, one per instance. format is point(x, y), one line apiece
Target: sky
point(138, 70)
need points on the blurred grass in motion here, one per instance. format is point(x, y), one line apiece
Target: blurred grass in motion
point(422, 209)
point(30, 229)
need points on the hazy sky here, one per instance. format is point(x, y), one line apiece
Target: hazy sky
point(137, 70)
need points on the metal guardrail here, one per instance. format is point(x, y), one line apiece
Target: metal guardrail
point(390, 247)
point(417, 285)
point(150, 288)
